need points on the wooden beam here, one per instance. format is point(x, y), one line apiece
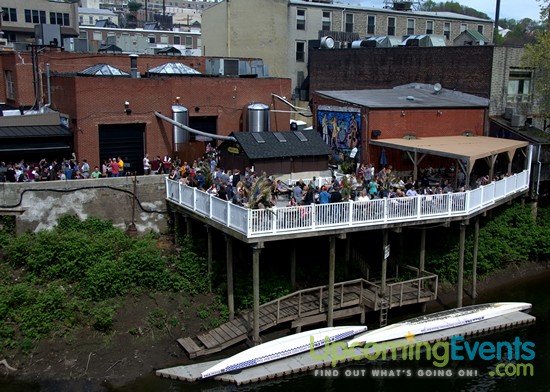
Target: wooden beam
point(229, 258)
point(460, 285)
point(256, 292)
point(331, 272)
point(474, 266)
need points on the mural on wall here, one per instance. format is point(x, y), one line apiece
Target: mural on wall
point(340, 130)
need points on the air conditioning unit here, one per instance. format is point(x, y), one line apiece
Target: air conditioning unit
point(3, 41)
point(518, 120)
point(508, 112)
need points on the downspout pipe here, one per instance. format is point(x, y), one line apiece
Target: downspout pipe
point(177, 124)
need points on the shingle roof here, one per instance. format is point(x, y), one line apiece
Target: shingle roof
point(271, 147)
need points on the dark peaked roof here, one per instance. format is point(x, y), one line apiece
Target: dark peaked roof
point(273, 146)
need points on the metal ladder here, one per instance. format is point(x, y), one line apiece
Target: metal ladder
point(384, 307)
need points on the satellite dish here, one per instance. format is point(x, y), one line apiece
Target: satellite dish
point(437, 87)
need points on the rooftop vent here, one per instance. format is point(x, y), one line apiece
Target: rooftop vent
point(410, 98)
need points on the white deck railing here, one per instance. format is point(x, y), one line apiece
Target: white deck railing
point(318, 217)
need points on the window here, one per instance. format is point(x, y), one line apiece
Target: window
point(152, 39)
point(410, 26)
point(300, 19)
point(371, 24)
point(10, 85)
point(480, 29)
point(463, 27)
point(300, 51)
point(327, 21)
point(519, 86)
point(349, 23)
point(35, 16)
point(447, 30)
point(58, 18)
point(98, 36)
point(176, 40)
point(429, 27)
point(9, 15)
point(391, 26)
point(163, 39)
point(90, 20)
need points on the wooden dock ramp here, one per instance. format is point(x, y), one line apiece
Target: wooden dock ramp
point(309, 306)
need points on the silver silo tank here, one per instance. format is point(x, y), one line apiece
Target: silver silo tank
point(181, 136)
point(258, 118)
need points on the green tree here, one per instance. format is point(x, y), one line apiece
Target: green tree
point(537, 57)
point(452, 6)
point(134, 6)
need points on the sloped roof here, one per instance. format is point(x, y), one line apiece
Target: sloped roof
point(476, 35)
point(34, 131)
point(273, 147)
point(102, 70)
point(466, 148)
point(174, 69)
point(169, 50)
point(110, 48)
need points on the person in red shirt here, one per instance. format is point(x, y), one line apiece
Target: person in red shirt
point(114, 168)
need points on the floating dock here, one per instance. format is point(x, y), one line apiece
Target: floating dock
point(305, 361)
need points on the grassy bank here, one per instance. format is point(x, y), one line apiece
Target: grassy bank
point(74, 276)
point(77, 275)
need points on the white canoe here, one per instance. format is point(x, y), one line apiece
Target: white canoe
point(282, 348)
point(438, 321)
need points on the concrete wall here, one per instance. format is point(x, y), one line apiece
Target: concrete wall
point(42, 203)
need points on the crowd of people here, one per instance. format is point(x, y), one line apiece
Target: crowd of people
point(66, 169)
point(247, 188)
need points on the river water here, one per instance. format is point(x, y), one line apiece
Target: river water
point(359, 375)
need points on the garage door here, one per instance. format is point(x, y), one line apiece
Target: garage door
point(125, 141)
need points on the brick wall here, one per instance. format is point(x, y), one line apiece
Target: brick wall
point(466, 69)
point(93, 101)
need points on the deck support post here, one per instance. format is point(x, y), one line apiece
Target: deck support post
point(422, 258)
point(474, 266)
point(210, 247)
point(293, 265)
point(348, 256)
point(384, 264)
point(256, 291)
point(229, 258)
point(331, 272)
point(177, 227)
point(189, 226)
point(460, 285)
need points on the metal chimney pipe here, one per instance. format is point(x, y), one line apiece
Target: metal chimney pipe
point(133, 66)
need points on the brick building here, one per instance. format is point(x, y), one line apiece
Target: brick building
point(350, 119)
point(101, 122)
point(281, 32)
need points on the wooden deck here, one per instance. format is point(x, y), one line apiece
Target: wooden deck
point(310, 306)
